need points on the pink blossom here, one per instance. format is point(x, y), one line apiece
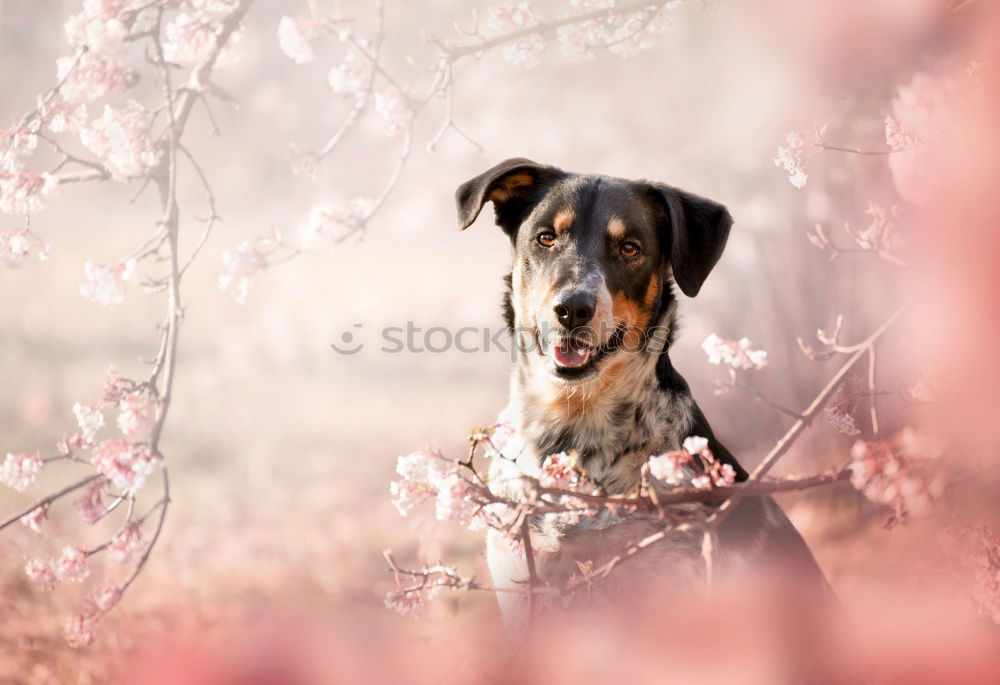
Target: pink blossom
point(417, 470)
point(23, 192)
point(622, 34)
point(736, 354)
point(98, 67)
point(19, 470)
point(505, 19)
point(293, 37)
point(558, 471)
point(840, 418)
point(695, 445)
point(72, 565)
point(19, 248)
point(15, 248)
point(352, 75)
point(923, 112)
point(99, 27)
point(456, 499)
point(91, 504)
point(90, 420)
point(885, 471)
point(103, 599)
point(125, 464)
point(794, 158)
point(668, 467)
point(34, 518)
point(67, 118)
point(409, 604)
point(135, 417)
point(41, 573)
point(394, 110)
point(702, 482)
point(91, 76)
point(189, 38)
point(243, 263)
point(328, 225)
point(896, 138)
point(120, 138)
point(726, 475)
point(126, 542)
point(105, 285)
point(79, 630)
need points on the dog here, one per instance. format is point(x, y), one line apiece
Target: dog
point(595, 261)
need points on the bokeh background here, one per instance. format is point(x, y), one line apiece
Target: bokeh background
point(281, 450)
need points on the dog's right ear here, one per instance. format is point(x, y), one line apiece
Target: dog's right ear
point(510, 185)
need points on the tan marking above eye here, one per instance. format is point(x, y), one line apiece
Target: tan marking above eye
point(563, 220)
point(616, 228)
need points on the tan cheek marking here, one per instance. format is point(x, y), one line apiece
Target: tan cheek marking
point(651, 292)
point(563, 219)
point(627, 311)
point(616, 228)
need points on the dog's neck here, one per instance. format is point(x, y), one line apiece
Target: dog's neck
point(614, 422)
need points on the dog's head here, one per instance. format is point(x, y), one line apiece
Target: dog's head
point(594, 258)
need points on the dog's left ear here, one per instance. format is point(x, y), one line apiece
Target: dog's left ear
point(694, 234)
point(510, 186)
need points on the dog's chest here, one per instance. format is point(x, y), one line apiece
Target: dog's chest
point(613, 436)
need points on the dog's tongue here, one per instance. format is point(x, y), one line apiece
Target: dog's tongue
point(571, 354)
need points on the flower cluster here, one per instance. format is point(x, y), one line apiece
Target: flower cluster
point(426, 475)
point(896, 138)
point(126, 465)
point(126, 542)
point(736, 354)
point(243, 263)
point(889, 472)
point(794, 158)
point(352, 75)
point(34, 518)
point(677, 468)
point(98, 66)
point(190, 37)
point(120, 139)
point(79, 629)
point(394, 110)
point(328, 225)
point(504, 19)
point(70, 566)
point(18, 471)
point(840, 417)
point(294, 35)
point(22, 191)
point(105, 285)
point(622, 34)
point(19, 248)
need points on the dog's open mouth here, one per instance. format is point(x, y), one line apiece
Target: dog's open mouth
point(571, 354)
point(572, 358)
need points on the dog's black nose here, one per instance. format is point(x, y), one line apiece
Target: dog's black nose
point(575, 309)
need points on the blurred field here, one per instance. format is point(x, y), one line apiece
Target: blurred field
point(281, 451)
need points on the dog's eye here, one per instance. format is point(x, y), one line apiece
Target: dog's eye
point(546, 238)
point(630, 249)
